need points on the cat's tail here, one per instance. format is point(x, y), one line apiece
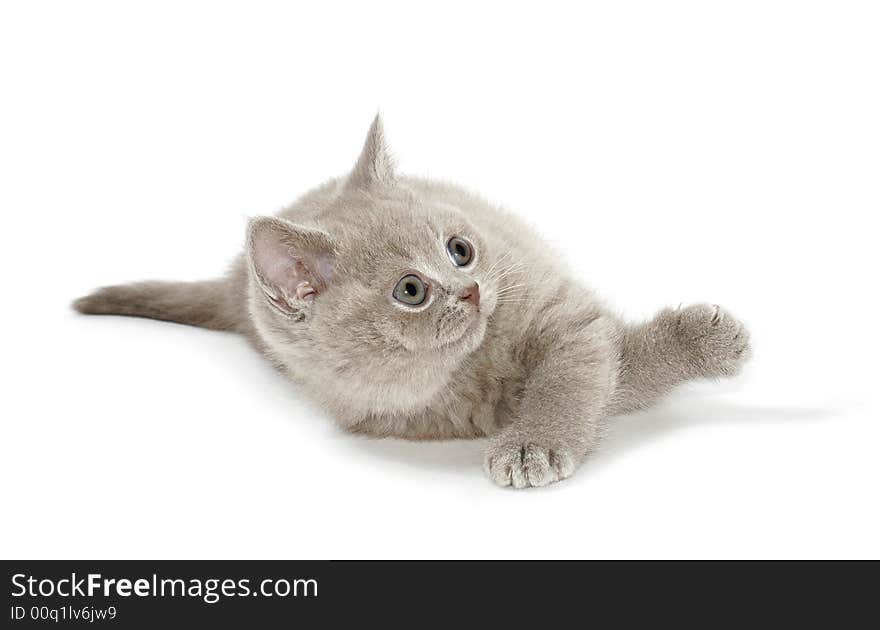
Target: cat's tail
point(213, 304)
point(678, 345)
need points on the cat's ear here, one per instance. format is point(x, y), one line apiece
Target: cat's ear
point(292, 264)
point(375, 164)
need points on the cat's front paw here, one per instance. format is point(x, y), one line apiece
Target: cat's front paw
point(717, 342)
point(522, 464)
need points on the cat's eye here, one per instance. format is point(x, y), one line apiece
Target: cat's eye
point(410, 290)
point(460, 251)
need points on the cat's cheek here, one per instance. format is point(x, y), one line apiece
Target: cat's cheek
point(475, 335)
point(395, 332)
point(488, 305)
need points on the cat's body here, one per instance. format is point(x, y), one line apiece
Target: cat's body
point(504, 342)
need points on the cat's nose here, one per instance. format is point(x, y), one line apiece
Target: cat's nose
point(471, 294)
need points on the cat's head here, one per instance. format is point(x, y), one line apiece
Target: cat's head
point(380, 279)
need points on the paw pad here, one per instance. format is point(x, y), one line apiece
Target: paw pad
point(524, 465)
point(717, 342)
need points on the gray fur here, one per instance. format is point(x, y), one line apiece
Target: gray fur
point(537, 367)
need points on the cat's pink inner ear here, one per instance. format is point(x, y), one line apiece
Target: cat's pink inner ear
point(292, 263)
point(273, 259)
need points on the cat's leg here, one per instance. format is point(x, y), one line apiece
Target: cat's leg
point(560, 411)
point(677, 345)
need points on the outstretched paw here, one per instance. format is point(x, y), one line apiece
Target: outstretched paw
point(717, 343)
point(511, 462)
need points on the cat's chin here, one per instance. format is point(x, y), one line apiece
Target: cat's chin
point(471, 336)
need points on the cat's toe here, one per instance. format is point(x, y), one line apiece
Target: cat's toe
point(717, 342)
point(524, 465)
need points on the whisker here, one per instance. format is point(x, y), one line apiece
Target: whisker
point(500, 272)
point(504, 290)
point(511, 267)
point(516, 269)
point(497, 262)
point(513, 272)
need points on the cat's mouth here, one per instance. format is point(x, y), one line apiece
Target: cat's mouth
point(473, 327)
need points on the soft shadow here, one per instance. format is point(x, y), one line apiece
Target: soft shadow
point(684, 411)
point(445, 456)
point(624, 433)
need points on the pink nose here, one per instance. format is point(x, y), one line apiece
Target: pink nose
point(471, 294)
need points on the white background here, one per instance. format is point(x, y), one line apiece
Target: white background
point(673, 152)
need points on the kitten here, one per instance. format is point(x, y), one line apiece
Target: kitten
point(413, 308)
